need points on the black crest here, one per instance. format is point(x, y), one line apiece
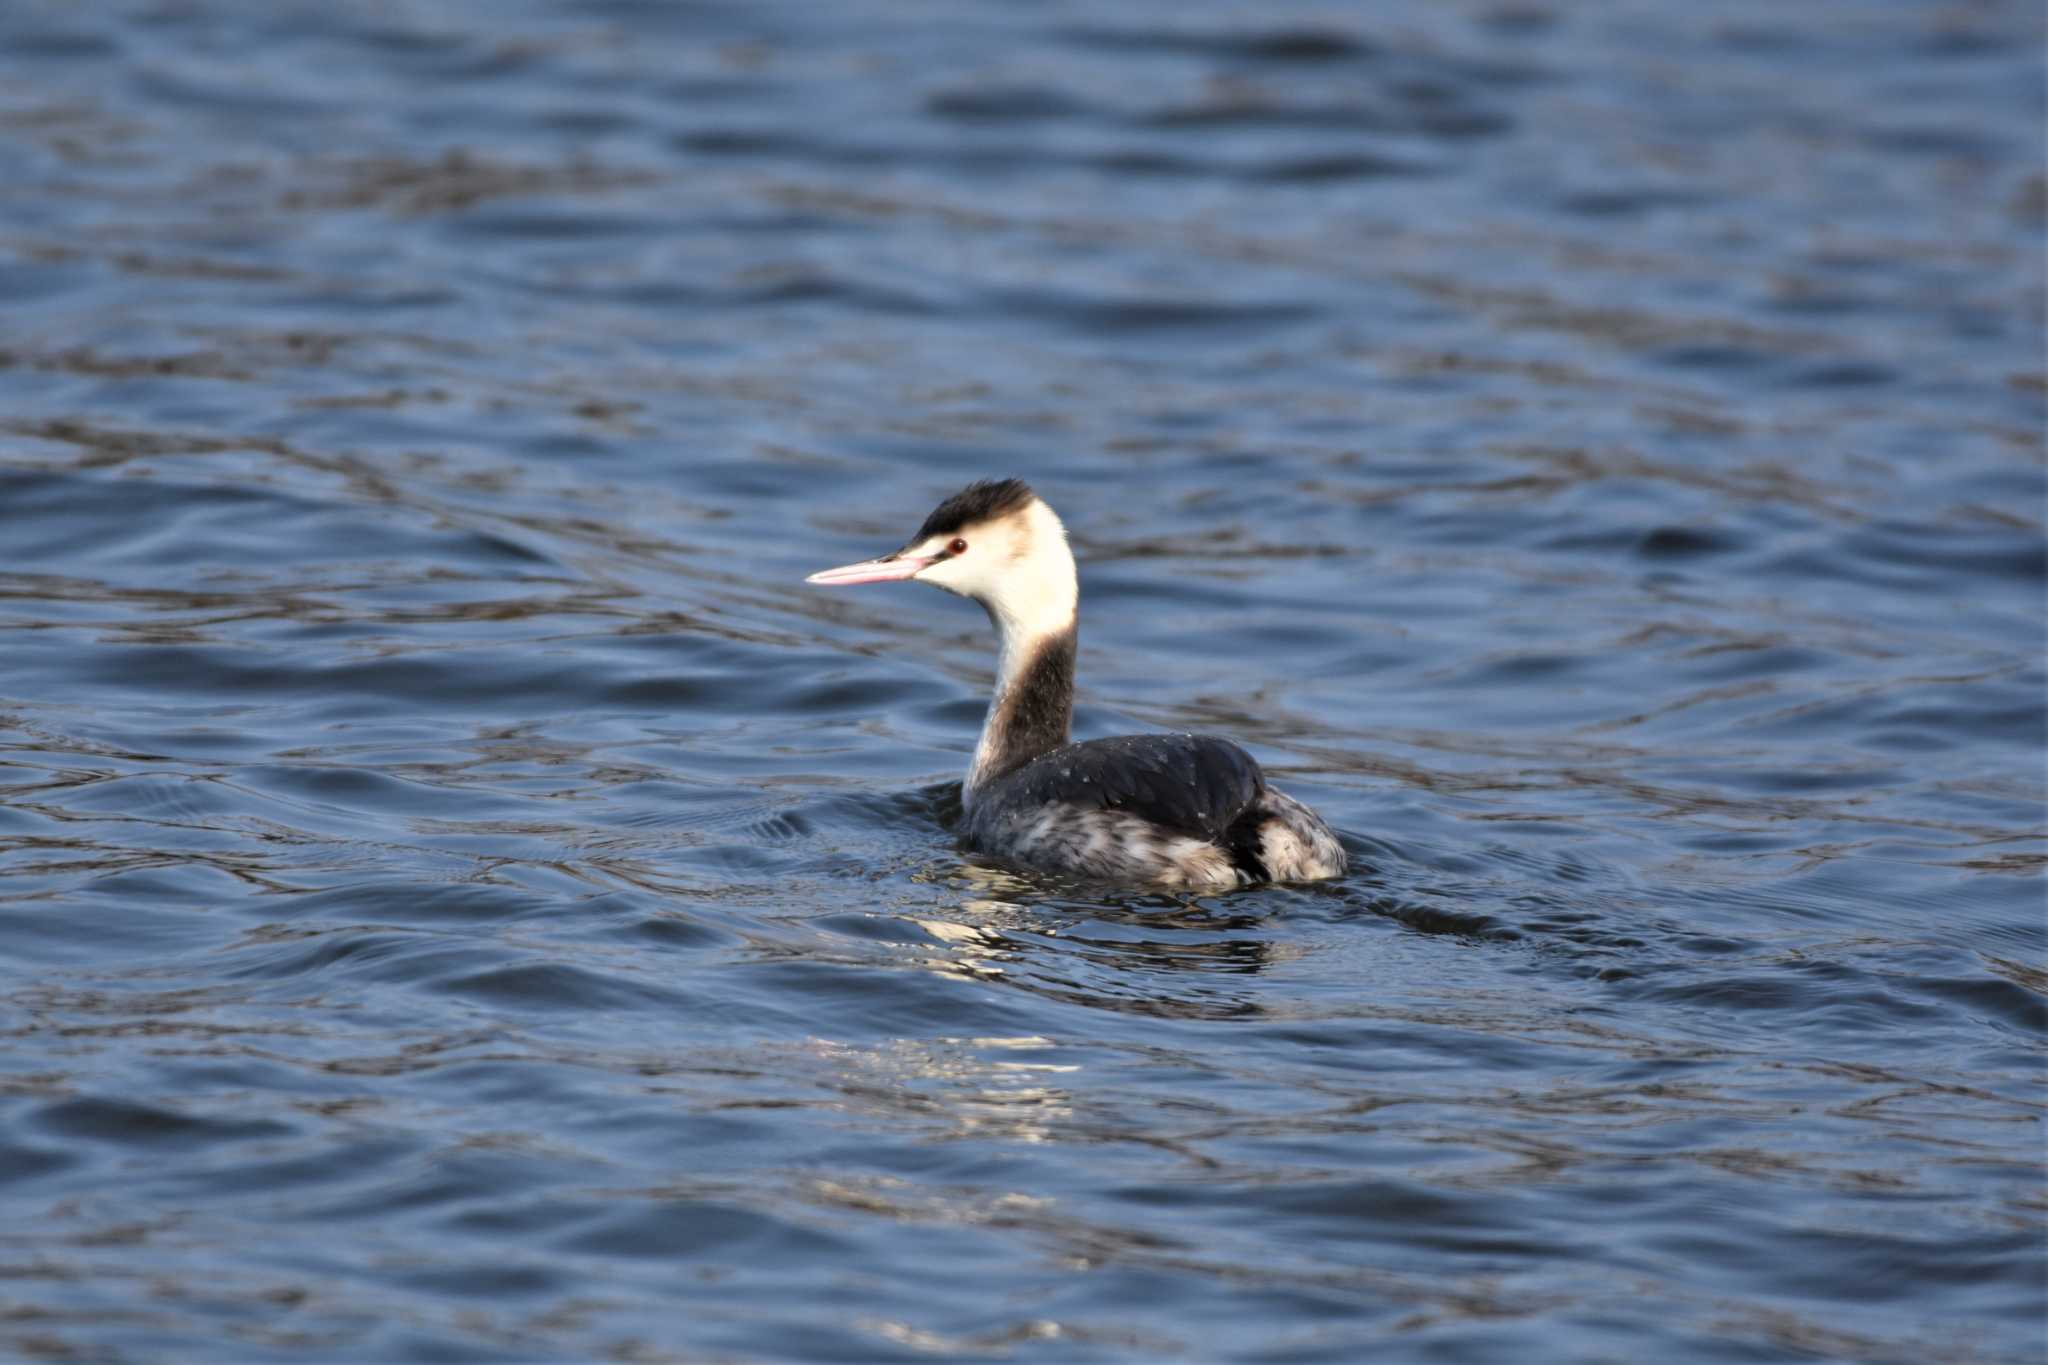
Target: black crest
point(976, 502)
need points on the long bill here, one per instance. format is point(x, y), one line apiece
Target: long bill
point(890, 569)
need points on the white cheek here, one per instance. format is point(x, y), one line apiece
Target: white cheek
point(949, 574)
point(961, 573)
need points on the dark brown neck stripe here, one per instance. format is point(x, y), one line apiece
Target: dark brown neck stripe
point(1035, 712)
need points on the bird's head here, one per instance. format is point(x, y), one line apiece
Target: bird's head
point(995, 541)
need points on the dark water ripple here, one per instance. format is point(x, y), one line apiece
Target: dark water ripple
point(462, 898)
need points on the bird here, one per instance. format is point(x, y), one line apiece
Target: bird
point(1164, 811)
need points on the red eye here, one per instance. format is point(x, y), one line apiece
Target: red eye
point(958, 547)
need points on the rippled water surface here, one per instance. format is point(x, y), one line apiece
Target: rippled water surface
point(462, 897)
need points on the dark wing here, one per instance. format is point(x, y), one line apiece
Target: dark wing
point(1192, 784)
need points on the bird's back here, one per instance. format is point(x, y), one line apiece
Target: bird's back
point(1174, 809)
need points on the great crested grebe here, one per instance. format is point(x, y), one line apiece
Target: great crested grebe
point(1160, 810)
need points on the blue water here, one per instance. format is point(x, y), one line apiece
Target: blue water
point(463, 898)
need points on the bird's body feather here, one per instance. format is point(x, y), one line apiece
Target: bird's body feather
point(1183, 810)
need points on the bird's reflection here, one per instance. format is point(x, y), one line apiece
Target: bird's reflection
point(1148, 954)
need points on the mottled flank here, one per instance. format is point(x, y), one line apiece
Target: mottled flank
point(1159, 810)
point(1294, 843)
point(1105, 845)
point(975, 503)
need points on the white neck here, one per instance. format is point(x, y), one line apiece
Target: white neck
point(1038, 591)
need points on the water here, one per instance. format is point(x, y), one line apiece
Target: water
point(461, 897)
